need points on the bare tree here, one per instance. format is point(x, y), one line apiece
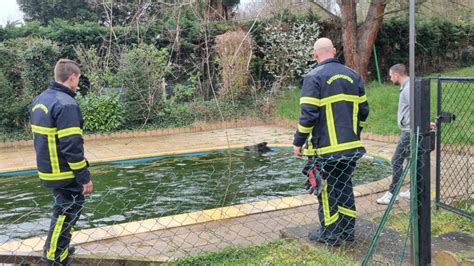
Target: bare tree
point(359, 39)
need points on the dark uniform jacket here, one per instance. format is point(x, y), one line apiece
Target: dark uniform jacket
point(333, 103)
point(57, 123)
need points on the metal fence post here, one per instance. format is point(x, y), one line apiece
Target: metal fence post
point(423, 178)
point(438, 144)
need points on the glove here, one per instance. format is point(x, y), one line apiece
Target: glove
point(315, 182)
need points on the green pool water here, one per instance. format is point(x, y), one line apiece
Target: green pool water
point(155, 187)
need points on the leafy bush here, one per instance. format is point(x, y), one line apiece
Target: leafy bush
point(143, 70)
point(175, 115)
point(14, 109)
point(39, 60)
point(102, 113)
point(287, 49)
point(434, 51)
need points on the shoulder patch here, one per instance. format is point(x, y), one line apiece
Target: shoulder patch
point(339, 76)
point(40, 106)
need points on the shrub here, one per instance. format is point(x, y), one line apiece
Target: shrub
point(39, 60)
point(234, 50)
point(175, 115)
point(102, 113)
point(287, 50)
point(143, 70)
point(13, 107)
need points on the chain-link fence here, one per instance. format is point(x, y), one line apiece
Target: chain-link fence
point(163, 209)
point(455, 141)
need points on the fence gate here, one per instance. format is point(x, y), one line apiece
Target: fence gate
point(455, 145)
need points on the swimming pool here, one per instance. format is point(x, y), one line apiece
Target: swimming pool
point(146, 188)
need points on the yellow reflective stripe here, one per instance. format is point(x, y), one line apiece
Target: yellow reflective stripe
point(310, 100)
point(328, 219)
point(53, 153)
point(55, 237)
point(40, 106)
point(332, 99)
point(339, 98)
point(64, 254)
point(339, 76)
point(331, 125)
point(69, 131)
point(355, 117)
point(303, 129)
point(56, 176)
point(43, 130)
point(340, 147)
point(347, 212)
point(78, 165)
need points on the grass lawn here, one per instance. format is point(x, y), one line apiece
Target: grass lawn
point(280, 252)
point(383, 101)
point(442, 221)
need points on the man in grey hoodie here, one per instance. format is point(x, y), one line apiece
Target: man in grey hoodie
point(399, 76)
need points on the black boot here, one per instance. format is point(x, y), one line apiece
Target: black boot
point(316, 234)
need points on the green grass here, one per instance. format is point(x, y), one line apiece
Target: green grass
point(383, 102)
point(287, 105)
point(280, 252)
point(442, 222)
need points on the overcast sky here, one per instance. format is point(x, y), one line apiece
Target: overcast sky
point(9, 11)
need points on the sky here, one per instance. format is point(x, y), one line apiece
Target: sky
point(9, 11)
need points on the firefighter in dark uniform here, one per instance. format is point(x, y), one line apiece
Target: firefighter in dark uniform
point(333, 104)
point(56, 122)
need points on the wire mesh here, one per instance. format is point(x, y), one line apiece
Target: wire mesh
point(149, 211)
point(455, 153)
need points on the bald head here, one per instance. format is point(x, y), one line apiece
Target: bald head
point(323, 49)
point(323, 44)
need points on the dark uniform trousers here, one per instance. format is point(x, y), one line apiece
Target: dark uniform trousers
point(68, 204)
point(337, 212)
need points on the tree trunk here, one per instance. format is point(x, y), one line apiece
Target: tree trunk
point(358, 41)
point(349, 32)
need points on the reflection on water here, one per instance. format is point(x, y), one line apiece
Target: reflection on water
point(129, 192)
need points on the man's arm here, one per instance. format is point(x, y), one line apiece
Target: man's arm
point(71, 143)
point(309, 103)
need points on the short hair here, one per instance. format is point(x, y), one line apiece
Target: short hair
point(400, 69)
point(65, 68)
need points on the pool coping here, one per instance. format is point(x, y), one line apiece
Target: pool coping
point(35, 244)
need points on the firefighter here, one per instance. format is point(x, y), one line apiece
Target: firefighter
point(333, 105)
point(57, 123)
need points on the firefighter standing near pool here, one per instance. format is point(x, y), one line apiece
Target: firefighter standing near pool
point(57, 123)
point(333, 103)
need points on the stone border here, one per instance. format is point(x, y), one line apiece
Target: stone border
point(187, 219)
point(197, 127)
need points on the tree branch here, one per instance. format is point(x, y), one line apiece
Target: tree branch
point(325, 10)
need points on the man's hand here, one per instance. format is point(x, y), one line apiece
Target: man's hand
point(87, 188)
point(297, 151)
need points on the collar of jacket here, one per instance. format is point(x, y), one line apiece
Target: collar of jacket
point(330, 60)
point(405, 83)
point(60, 87)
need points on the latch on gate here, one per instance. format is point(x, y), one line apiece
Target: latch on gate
point(446, 117)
